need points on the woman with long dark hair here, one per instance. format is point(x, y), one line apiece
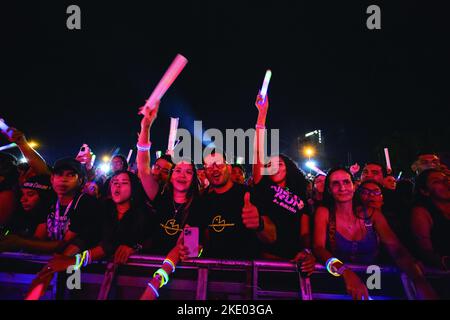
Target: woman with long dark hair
point(126, 226)
point(173, 202)
point(348, 232)
point(281, 195)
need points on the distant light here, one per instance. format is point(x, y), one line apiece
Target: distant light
point(309, 151)
point(240, 160)
point(311, 133)
point(105, 167)
point(23, 160)
point(33, 144)
point(106, 158)
point(158, 154)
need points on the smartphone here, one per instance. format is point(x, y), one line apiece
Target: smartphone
point(191, 241)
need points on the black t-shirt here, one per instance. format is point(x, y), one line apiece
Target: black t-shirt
point(133, 229)
point(221, 216)
point(285, 209)
point(24, 223)
point(168, 220)
point(83, 217)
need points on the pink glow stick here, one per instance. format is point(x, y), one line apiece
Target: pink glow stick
point(166, 81)
point(4, 127)
point(388, 160)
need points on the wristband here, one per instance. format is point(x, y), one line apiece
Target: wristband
point(331, 269)
point(143, 148)
point(154, 289)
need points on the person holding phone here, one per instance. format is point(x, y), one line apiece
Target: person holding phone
point(173, 202)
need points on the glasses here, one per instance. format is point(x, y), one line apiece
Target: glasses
point(368, 192)
point(219, 166)
point(163, 170)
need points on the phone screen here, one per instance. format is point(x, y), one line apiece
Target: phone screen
point(191, 241)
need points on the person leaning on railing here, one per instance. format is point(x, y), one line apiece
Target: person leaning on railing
point(346, 232)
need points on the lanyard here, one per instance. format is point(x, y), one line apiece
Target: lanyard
point(65, 212)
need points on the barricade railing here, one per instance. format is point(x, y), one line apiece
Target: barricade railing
point(202, 279)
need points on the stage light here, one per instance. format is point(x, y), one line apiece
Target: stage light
point(309, 152)
point(106, 158)
point(105, 168)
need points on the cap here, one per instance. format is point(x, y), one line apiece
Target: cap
point(69, 164)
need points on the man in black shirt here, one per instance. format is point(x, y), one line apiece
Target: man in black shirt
point(232, 225)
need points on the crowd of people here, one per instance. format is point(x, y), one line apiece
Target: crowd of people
point(343, 217)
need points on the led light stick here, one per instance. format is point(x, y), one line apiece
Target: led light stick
point(172, 135)
point(129, 155)
point(8, 146)
point(4, 127)
point(388, 160)
point(265, 85)
point(166, 81)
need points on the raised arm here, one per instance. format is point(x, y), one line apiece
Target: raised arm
point(36, 162)
point(150, 185)
point(258, 148)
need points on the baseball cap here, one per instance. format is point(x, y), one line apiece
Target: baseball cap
point(69, 164)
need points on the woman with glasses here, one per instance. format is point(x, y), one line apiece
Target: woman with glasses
point(370, 194)
point(174, 201)
point(346, 231)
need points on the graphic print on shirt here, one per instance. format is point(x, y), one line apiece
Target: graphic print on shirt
point(171, 227)
point(218, 224)
point(285, 199)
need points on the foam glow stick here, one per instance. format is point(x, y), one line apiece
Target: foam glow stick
point(399, 175)
point(172, 135)
point(166, 81)
point(129, 155)
point(4, 127)
point(265, 85)
point(388, 160)
point(93, 160)
point(8, 146)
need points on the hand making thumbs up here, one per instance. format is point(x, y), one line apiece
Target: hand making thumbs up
point(250, 214)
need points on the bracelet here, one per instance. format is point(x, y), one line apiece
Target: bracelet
point(164, 276)
point(144, 148)
point(331, 269)
point(170, 263)
point(259, 126)
point(154, 289)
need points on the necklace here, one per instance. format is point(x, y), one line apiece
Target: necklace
point(177, 206)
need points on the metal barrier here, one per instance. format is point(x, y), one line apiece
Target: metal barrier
point(199, 279)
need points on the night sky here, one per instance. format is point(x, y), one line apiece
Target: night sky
point(365, 89)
